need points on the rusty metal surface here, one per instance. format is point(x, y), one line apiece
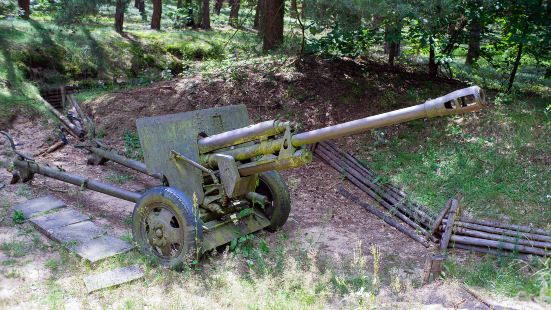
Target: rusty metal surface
point(160, 135)
point(258, 131)
point(97, 186)
point(218, 234)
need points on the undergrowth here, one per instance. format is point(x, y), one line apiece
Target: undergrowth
point(505, 275)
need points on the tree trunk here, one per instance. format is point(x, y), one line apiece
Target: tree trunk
point(515, 68)
point(433, 68)
point(179, 4)
point(218, 6)
point(393, 52)
point(140, 5)
point(260, 11)
point(392, 41)
point(294, 8)
point(273, 23)
point(119, 16)
point(205, 15)
point(475, 29)
point(234, 13)
point(256, 21)
point(156, 15)
point(25, 6)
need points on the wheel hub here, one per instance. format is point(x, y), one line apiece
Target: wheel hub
point(164, 232)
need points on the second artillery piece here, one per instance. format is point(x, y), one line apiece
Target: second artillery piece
point(219, 173)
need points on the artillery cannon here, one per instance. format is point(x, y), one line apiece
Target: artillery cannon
point(219, 173)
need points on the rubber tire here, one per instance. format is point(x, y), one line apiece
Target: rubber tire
point(182, 207)
point(278, 192)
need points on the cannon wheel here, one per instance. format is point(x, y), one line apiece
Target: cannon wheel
point(165, 225)
point(272, 185)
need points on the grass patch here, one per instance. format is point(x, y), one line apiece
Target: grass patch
point(14, 248)
point(498, 160)
point(93, 55)
point(501, 275)
point(52, 264)
point(118, 178)
point(18, 217)
point(132, 146)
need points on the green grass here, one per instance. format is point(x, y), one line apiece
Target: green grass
point(502, 275)
point(497, 160)
point(119, 178)
point(93, 56)
point(14, 249)
point(18, 217)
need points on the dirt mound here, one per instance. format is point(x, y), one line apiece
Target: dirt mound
point(314, 93)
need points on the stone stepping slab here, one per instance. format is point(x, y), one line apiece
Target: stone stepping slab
point(100, 248)
point(64, 217)
point(39, 205)
point(76, 234)
point(72, 228)
point(112, 278)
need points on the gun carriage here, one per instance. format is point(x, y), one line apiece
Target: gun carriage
point(219, 173)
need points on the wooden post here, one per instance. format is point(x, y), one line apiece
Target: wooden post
point(433, 268)
point(440, 218)
point(449, 225)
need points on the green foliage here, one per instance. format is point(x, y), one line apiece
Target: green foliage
point(52, 264)
point(72, 11)
point(132, 146)
point(18, 217)
point(502, 275)
point(118, 178)
point(8, 7)
point(183, 17)
point(340, 42)
point(14, 249)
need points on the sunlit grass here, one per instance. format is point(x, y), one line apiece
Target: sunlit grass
point(499, 161)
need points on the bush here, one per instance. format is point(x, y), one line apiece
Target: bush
point(8, 7)
point(71, 11)
point(340, 42)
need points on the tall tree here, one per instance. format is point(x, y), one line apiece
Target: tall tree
point(119, 15)
point(140, 5)
point(234, 12)
point(218, 6)
point(205, 14)
point(25, 7)
point(156, 15)
point(273, 23)
point(294, 8)
point(257, 23)
point(475, 33)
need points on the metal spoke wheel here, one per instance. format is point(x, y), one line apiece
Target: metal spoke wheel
point(278, 206)
point(165, 225)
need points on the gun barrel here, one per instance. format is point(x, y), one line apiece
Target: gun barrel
point(242, 135)
point(458, 102)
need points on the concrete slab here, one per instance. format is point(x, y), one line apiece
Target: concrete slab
point(39, 205)
point(76, 233)
point(61, 218)
point(102, 247)
point(112, 278)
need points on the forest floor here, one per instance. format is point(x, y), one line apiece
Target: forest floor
point(331, 253)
